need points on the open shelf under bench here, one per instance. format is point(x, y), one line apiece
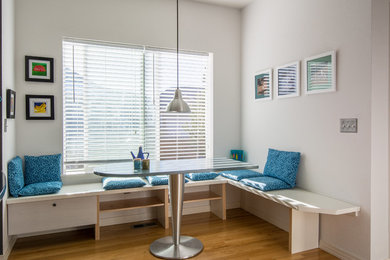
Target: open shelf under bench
point(149, 202)
point(200, 196)
point(159, 199)
point(119, 205)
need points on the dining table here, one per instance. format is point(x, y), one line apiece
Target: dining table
point(176, 246)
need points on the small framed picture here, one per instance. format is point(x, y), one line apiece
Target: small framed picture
point(11, 99)
point(288, 80)
point(39, 69)
point(320, 73)
point(39, 107)
point(263, 85)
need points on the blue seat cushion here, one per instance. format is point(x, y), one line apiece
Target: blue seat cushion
point(113, 183)
point(238, 175)
point(265, 183)
point(202, 176)
point(159, 180)
point(45, 168)
point(282, 165)
point(15, 176)
point(41, 188)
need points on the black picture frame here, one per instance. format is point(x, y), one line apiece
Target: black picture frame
point(39, 107)
point(39, 69)
point(11, 103)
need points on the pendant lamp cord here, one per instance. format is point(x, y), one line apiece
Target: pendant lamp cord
point(177, 42)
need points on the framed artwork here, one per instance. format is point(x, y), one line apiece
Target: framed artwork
point(320, 73)
point(263, 85)
point(39, 69)
point(39, 107)
point(288, 80)
point(11, 99)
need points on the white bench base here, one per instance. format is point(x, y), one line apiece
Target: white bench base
point(304, 231)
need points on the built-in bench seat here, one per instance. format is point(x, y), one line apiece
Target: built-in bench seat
point(83, 204)
point(302, 200)
point(305, 208)
point(78, 205)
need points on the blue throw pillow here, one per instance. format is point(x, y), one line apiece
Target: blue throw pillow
point(238, 175)
point(282, 165)
point(202, 176)
point(113, 183)
point(45, 168)
point(15, 176)
point(41, 188)
point(265, 183)
point(159, 180)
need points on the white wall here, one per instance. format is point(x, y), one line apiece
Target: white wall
point(8, 81)
point(276, 32)
point(153, 22)
point(380, 130)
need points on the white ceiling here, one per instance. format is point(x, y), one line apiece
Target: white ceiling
point(230, 3)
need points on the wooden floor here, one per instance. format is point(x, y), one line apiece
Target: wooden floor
point(243, 236)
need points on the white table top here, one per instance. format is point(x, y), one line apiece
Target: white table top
point(169, 167)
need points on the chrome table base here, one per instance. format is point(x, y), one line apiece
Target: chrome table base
point(176, 246)
point(165, 248)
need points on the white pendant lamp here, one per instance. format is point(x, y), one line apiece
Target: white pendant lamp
point(178, 105)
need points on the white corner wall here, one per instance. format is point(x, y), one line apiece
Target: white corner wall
point(276, 32)
point(8, 81)
point(380, 130)
point(41, 24)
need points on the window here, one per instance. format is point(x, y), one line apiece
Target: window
point(114, 100)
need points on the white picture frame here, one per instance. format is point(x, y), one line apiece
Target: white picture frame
point(320, 73)
point(263, 87)
point(287, 80)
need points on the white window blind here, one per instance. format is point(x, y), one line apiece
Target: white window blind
point(181, 136)
point(114, 100)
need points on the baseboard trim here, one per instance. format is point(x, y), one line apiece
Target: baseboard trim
point(11, 244)
point(342, 254)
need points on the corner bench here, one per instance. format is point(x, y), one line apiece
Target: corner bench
point(80, 205)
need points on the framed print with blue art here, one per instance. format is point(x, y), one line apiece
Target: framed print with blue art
point(263, 85)
point(320, 73)
point(39, 107)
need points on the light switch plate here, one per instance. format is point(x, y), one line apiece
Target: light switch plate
point(348, 125)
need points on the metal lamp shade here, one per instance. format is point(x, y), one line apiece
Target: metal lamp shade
point(178, 105)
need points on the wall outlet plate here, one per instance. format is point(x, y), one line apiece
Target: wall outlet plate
point(348, 125)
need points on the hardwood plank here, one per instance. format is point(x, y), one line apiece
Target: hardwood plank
point(200, 196)
point(241, 236)
point(120, 205)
